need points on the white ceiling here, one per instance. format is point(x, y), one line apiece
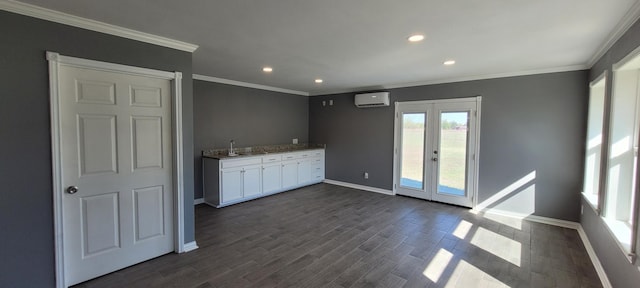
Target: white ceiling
point(362, 44)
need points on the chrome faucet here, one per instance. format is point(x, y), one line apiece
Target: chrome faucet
point(231, 152)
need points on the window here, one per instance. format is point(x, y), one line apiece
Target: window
point(591, 185)
point(620, 212)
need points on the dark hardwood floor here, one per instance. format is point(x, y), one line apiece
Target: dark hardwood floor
point(325, 235)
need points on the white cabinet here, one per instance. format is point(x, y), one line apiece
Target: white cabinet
point(317, 169)
point(229, 181)
point(289, 174)
point(271, 178)
point(252, 181)
point(240, 182)
point(304, 171)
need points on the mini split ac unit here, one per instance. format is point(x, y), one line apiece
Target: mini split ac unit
point(378, 99)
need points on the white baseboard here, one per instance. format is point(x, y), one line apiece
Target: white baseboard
point(360, 187)
point(190, 246)
point(594, 258)
point(533, 218)
point(198, 201)
point(561, 223)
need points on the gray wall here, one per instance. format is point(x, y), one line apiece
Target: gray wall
point(620, 272)
point(248, 116)
point(26, 207)
point(529, 123)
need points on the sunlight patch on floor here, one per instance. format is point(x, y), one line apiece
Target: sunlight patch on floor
point(462, 229)
point(498, 245)
point(471, 276)
point(437, 265)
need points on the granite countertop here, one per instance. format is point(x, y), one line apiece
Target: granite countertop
point(259, 150)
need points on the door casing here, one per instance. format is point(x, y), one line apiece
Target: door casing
point(476, 151)
point(55, 61)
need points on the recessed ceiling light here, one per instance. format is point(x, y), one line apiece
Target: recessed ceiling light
point(267, 69)
point(319, 81)
point(416, 38)
point(449, 62)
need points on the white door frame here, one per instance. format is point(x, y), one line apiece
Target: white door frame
point(478, 100)
point(55, 62)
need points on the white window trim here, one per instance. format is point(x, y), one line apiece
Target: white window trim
point(620, 229)
point(596, 201)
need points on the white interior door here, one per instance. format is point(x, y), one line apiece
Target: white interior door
point(116, 159)
point(436, 151)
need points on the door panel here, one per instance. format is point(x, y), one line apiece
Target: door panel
point(149, 212)
point(413, 131)
point(455, 138)
point(97, 143)
point(100, 223)
point(116, 148)
point(147, 142)
point(435, 145)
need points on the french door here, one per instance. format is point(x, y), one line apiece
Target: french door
point(436, 150)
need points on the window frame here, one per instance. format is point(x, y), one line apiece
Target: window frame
point(601, 172)
point(614, 225)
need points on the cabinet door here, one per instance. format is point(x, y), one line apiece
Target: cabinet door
point(271, 177)
point(251, 181)
point(304, 171)
point(289, 174)
point(231, 184)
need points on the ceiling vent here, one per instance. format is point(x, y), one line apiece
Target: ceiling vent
point(378, 99)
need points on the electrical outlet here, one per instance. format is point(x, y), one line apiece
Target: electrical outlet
point(295, 141)
point(324, 103)
point(330, 102)
point(366, 175)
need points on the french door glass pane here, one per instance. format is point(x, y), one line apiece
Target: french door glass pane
point(412, 158)
point(452, 162)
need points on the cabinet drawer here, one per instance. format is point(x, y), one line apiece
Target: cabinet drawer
point(240, 162)
point(271, 158)
point(290, 156)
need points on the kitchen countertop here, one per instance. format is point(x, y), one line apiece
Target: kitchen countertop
point(243, 152)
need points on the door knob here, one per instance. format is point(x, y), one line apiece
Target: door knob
point(434, 159)
point(72, 189)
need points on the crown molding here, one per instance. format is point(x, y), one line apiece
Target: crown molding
point(625, 23)
point(248, 85)
point(93, 25)
point(458, 79)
